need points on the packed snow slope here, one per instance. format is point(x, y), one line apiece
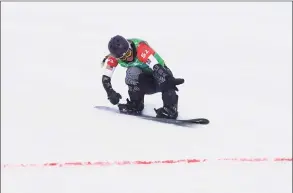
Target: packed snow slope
point(236, 59)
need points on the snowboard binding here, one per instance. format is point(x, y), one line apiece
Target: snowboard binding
point(131, 107)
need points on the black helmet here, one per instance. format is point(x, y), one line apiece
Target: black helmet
point(118, 46)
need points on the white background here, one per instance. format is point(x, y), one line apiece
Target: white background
point(236, 59)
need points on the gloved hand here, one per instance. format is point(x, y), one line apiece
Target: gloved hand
point(177, 81)
point(114, 97)
point(171, 83)
point(166, 80)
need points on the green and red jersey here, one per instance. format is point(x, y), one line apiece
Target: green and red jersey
point(145, 58)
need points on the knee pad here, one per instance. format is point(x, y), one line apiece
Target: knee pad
point(132, 76)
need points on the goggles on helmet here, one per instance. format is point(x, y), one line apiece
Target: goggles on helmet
point(126, 55)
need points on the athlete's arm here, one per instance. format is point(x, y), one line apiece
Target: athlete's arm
point(148, 56)
point(111, 64)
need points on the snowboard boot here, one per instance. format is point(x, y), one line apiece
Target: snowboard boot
point(131, 107)
point(134, 105)
point(170, 107)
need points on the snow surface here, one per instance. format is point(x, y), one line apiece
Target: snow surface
point(236, 59)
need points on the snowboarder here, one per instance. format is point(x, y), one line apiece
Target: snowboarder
point(146, 74)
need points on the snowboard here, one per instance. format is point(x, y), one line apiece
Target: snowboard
point(178, 122)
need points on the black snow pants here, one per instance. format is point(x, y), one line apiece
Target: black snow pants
point(141, 83)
